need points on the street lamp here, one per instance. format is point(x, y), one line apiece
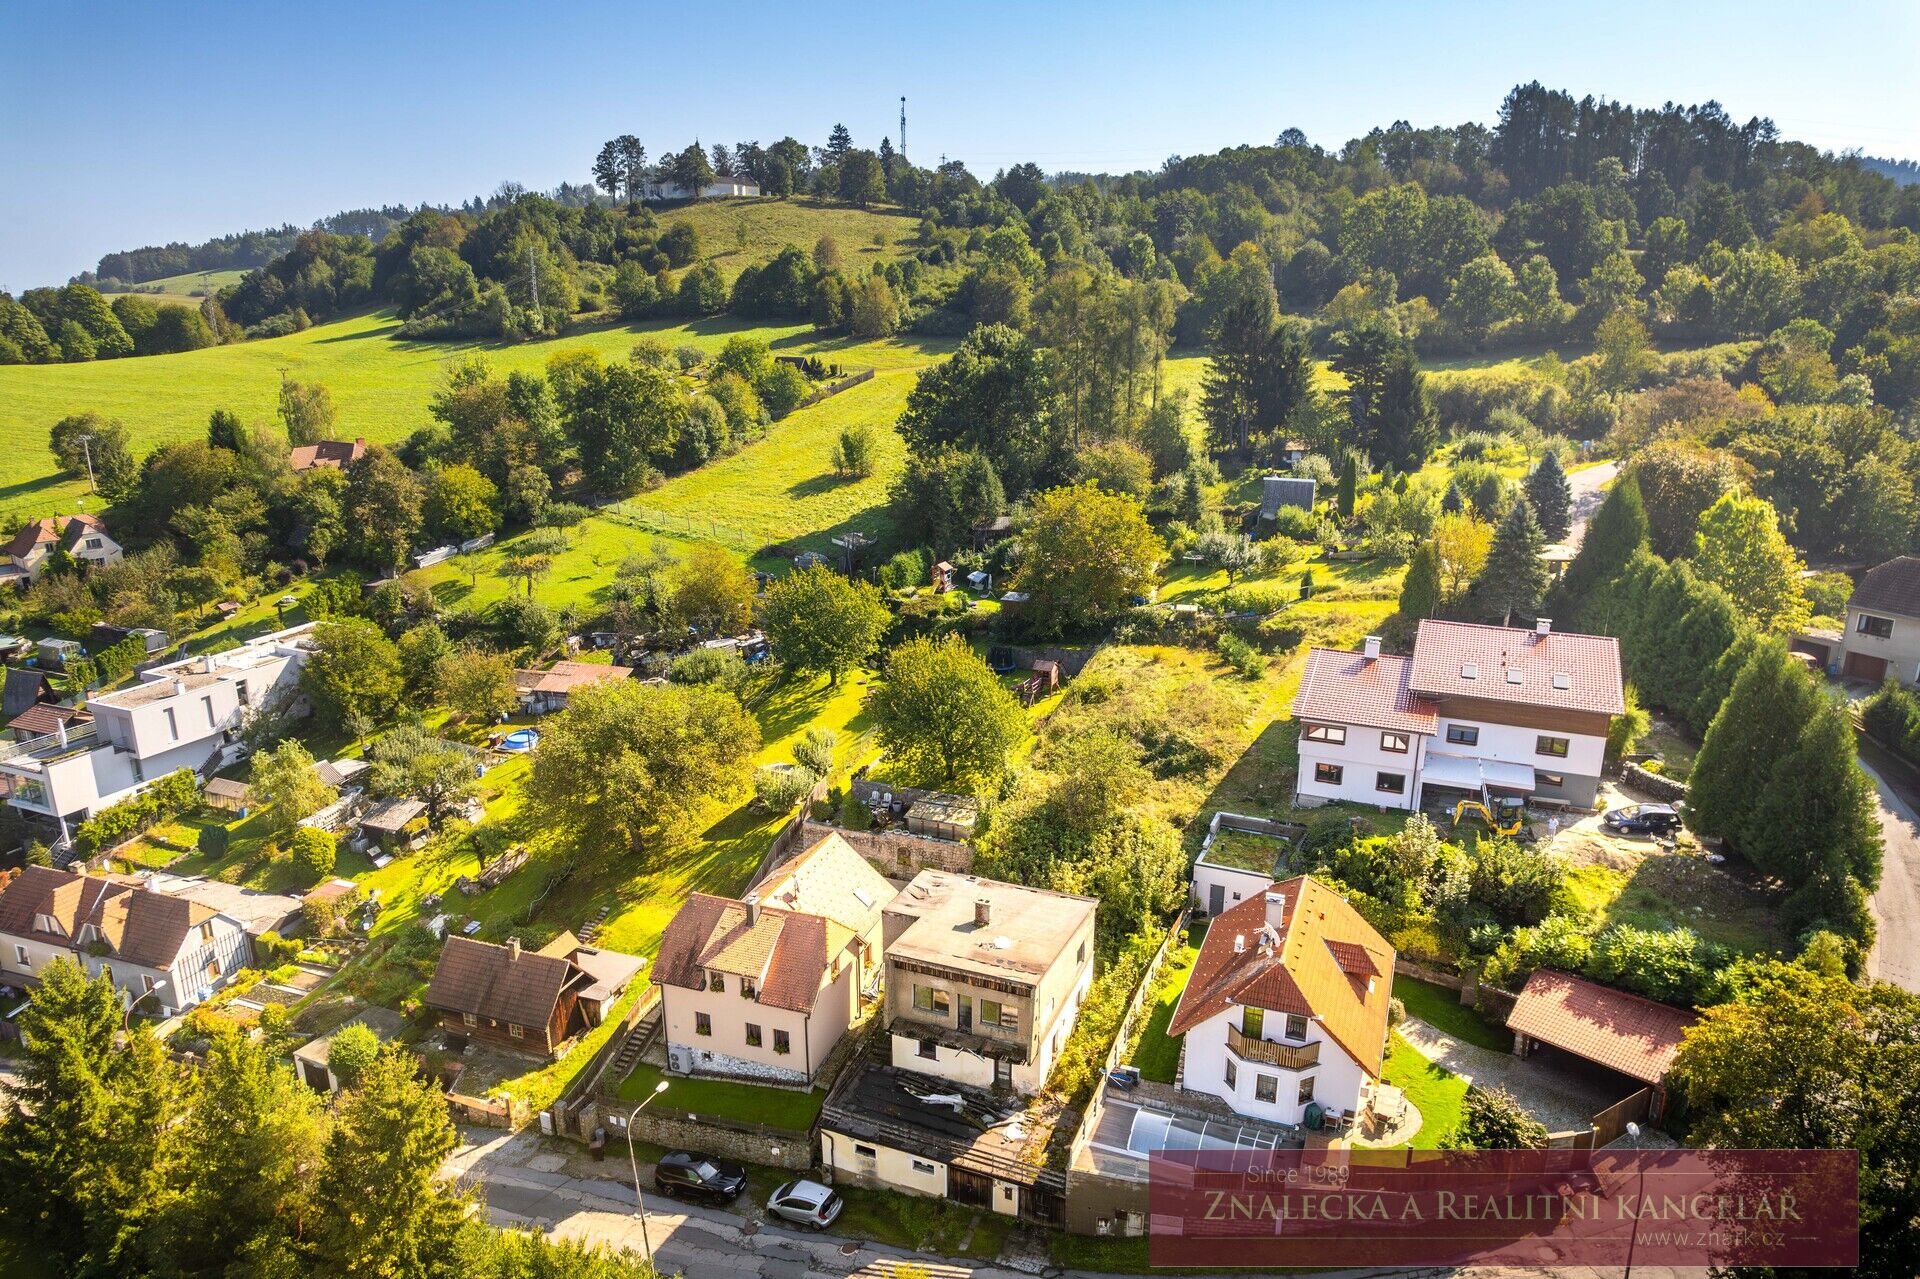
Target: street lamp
point(633, 1161)
point(126, 1021)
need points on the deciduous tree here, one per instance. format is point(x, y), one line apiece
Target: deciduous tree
point(943, 714)
point(817, 620)
point(1088, 553)
point(1740, 549)
point(284, 785)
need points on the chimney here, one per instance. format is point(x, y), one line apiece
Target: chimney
point(1543, 626)
point(206, 664)
point(1373, 648)
point(513, 950)
point(60, 732)
point(179, 686)
point(1276, 911)
point(753, 910)
point(982, 912)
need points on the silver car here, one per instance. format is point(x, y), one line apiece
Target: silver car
point(807, 1203)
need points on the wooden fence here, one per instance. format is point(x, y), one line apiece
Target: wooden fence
point(828, 392)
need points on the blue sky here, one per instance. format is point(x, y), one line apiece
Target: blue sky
point(141, 121)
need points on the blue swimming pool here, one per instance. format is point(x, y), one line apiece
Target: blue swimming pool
point(520, 741)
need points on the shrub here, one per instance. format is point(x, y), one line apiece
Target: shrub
point(563, 514)
point(721, 667)
point(353, 1050)
point(213, 841)
point(778, 787)
point(275, 950)
point(1396, 1011)
point(1491, 1119)
point(314, 852)
point(1246, 660)
point(1299, 524)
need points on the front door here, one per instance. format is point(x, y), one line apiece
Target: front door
point(1216, 898)
point(975, 1189)
point(966, 1012)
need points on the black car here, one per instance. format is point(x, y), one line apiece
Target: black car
point(1643, 819)
point(681, 1172)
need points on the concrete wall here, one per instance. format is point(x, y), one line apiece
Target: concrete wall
point(893, 853)
point(678, 1132)
point(847, 1161)
point(1337, 1078)
point(727, 1052)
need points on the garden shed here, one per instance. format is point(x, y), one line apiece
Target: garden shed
point(227, 794)
point(392, 822)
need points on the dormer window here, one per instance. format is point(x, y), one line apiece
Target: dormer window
point(46, 924)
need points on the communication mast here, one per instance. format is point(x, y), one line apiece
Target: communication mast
point(903, 126)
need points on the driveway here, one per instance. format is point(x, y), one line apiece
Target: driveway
point(1588, 487)
point(1561, 1098)
point(1896, 903)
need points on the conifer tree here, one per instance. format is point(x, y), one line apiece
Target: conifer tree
point(1616, 531)
point(1420, 590)
point(1552, 498)
point(1515, 578)
point(1349, 484)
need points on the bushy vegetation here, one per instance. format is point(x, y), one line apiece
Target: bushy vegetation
point(178, 792)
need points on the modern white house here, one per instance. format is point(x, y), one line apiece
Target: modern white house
point(1477, 712)
point(984, 979)
point(1286, 1006)
point(162, 941)
point(185, 714)
point(723, 186)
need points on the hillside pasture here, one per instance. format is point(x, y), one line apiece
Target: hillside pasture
point(190, 286)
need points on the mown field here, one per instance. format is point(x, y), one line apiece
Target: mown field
point(766, 226)
point(188, 287)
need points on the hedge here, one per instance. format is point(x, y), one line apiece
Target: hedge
point(178, 792)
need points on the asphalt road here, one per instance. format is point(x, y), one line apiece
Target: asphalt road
point(1896, 904)
point(1588, 487)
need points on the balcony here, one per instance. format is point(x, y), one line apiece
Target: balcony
point(1266, 1052)
point(37, 752)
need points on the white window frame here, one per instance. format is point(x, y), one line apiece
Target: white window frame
point(1396, 743)
point(1325, 734)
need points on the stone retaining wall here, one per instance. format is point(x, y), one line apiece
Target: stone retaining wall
point(710, 1136)
point(1661, 788)
point(895, 853)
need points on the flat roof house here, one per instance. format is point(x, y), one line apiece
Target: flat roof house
point(1881, 637)
point(174, 945)
point(984, 979)
point(1286, 1006)
point(764, 987)
point(536, 1002)
point(1477, 711)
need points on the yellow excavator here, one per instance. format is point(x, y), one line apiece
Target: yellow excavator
point(1501, 816)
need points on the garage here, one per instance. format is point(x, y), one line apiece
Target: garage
point(1861, 666)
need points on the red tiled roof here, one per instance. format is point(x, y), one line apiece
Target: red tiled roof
point(338, 454)
point(784, 951)
point(1589, 665)
point(46, 717)
point(1303, 974)
point(1635, 1036)
point(1346, 688)
point(50, 530)
point(564, 677)
point(1893, 587)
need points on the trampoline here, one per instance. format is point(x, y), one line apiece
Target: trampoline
point(520, 741)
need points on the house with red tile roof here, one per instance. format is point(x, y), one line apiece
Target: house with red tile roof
point(1480, 712)
point(82, 536)
point(764, 986)
point(1286, 1005)
point(337, 454)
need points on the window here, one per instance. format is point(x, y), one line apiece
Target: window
point(716, 982)
point(1554, 746)
point(1328, 774)
point(173, 725)
point(208, 703)
point(753, 1035)
point(930, 1000)
point(990, 1012)
point(748, 990)
point(516, 1030)
point(213, 970)
point(1878, 627)
point(206, 933)
point(924, 1168)
point(147, 982)
point(240, 692)
point(93, 544)
point(1266, 1088)
point(20, 953)
point(468, 1019)
point(929, 1050)
point(1331, 734)
point(702, 1024)
point(782, 1043)
point(1306, 1090)
point(1548, 781)
point(866, 1152)
point(1392, 783)
point(1252, 1021)
point(1395, 743)
point(1233, 1075)
point(1296, 1026)
point(1463, 734)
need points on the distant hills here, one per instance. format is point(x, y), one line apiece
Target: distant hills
point(1905, 172)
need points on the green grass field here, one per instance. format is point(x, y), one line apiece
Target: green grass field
point(770, 225)
point(190, 287)
point(1436, 1091)
point(1441, 1008)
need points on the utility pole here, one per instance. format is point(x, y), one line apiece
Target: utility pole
point(903, 126)
point(533, 278)
point(86, 443)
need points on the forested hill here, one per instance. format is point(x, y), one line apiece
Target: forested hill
point(1905, 172)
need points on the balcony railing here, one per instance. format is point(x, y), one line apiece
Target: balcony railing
point(47, 748)
point(1265, 1051)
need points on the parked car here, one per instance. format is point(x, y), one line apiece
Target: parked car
point(806, 1202)
point(1643, 819)
point(682, 1172)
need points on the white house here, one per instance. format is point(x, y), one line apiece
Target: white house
point(82, 536)
point(186, 714)
point(1286, 1006)
point(723, 186)
point(1477, 711)
point(172, 948)
point(984, 979)
point(1882, 634)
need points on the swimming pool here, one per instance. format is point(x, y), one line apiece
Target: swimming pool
point(520, 741)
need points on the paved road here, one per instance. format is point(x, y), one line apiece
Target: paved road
point(1896, 904)
point(1588, 492)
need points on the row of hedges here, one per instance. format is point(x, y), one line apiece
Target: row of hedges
point(1892, 716)
point(178, 792)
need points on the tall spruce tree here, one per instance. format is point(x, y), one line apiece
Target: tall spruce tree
point(1552, 497)
point(1420, 591)
point(1617, 530)
point(1349, 485)
point(1515, 577)
point(1815, 825)
point(1756, 727)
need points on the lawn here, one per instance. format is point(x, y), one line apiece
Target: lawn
point(380, 384)
point(1674, 890)
point(1436, 1091)
point(1158, 1053)
point(725, 1099)
point(770, 225)
point(1441, 1008)
point(188, 287)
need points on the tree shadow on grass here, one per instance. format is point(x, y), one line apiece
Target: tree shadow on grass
point(825, 482)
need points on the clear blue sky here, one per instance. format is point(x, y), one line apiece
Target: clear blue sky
point(133, 122)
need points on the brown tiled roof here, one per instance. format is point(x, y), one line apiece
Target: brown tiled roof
point(1893, 587)
point(831, 880)
point(141, 926)
point(564, 677)
point(335, 453)
point(1316, 970)
point(784, 952)
point(331, 890)
point(228, 788)
point(486, 980)
point(149, 928)
point(51, 529)
point(45, 717)
point(1635, 1036)
point(1346, 688)
point(1588, 664)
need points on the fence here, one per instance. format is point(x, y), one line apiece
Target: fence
point(827, 392)
point(690, 527)
point(1611, 1122)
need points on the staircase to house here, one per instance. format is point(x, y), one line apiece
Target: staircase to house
point(635, 1044)
point(591, 929)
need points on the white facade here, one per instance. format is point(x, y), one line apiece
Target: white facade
point(976, 1069)
point(1335, 1080)
point(214, 951)
point(1357, 763)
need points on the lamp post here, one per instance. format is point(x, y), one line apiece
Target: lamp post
point(126, 1020)
point(1640, 1197)
point(633, 1161)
